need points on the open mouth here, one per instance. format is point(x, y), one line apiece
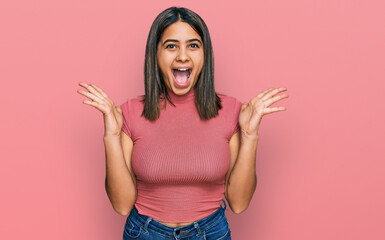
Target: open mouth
point(182, 71)
point(181, 75)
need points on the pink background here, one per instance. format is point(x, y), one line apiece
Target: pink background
point(320, 164)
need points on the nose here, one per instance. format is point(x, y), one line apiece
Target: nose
point(182, 55)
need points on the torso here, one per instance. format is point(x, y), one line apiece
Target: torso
point(175, 224)
point(150, 164)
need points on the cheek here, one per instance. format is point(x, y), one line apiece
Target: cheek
point(199, 58)
point(161, 63)
point(199, 61)
point(164, 60)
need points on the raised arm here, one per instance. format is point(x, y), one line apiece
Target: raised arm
point(120, 182)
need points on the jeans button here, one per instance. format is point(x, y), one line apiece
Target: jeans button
point(177, 232)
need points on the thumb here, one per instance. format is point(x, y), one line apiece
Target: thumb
point(119, 109)
point(244, 105)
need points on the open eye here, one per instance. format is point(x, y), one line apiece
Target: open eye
point(170, 46)
point(194, 45)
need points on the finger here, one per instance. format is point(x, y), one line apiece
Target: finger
point(99, 90)
point(264, 92)
point(273, 92)
point(91, 96)
point(260, 96)
point(96, 105)
point(274, 109)
point(274, 99)
point(91, 89)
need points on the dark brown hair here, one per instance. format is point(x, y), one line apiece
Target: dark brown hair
point(207, 101)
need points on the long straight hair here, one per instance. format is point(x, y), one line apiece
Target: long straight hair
point(207, 101)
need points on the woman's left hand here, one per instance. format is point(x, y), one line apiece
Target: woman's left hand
point(252, 112)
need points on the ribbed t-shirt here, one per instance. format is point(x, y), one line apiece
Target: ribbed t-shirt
point(180, 161)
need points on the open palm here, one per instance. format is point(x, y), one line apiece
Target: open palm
point(252, 112)
point(113, 117)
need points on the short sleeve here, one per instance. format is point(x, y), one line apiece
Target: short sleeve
point(126, 108)
point(236, 111)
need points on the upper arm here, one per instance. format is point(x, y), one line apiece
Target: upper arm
point(234, 144)
point(127, 146)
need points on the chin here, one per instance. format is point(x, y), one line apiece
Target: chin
point(181, 90)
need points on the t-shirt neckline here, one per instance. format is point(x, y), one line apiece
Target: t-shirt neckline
point(180, 99)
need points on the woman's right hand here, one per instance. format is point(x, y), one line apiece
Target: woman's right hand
point(113, 117)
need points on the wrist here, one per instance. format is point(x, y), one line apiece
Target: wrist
point(249, 137)
point(249, 142)
point(111, 137)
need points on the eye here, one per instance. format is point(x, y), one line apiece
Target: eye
point(194, 45)
point(170, 46)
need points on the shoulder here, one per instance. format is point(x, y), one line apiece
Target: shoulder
point(226, 97)
point(131, 108)
point(132, 103)
point(229, 101)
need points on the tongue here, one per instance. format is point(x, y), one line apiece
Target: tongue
point(180, 77)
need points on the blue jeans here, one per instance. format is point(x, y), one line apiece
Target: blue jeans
point(142, 227)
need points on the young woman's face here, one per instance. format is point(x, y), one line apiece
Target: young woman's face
point(180, 57)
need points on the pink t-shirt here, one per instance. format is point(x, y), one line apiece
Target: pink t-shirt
point(180, 161)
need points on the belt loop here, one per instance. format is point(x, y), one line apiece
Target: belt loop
point(196, 225)
point(176, 233)
point(225, 206)
point(146, 224)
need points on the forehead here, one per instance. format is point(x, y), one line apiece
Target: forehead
point(180, 31)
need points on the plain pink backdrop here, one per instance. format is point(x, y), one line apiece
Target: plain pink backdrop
point(320, 163)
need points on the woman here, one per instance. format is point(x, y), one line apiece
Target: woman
point(172, 153)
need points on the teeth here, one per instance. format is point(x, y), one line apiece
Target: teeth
point(183, 70)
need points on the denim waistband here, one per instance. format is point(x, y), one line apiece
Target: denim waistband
point(194, 227)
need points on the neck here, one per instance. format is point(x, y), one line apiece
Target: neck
point(185, 98)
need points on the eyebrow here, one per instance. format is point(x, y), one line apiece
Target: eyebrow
point(174, 40)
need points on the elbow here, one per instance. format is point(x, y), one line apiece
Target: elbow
point(239, 210)
point(122, 211)
point(237, 207)
point(122, 206)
